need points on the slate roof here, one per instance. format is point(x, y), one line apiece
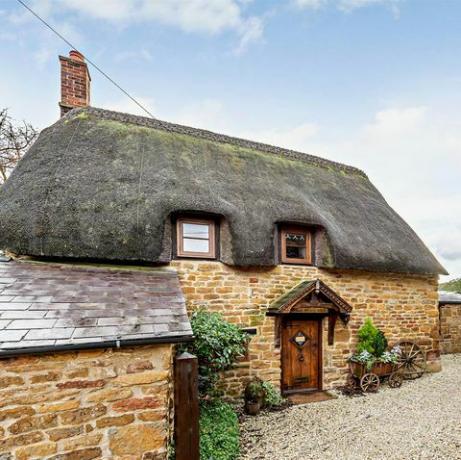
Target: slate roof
point(103, 185)
point(446, 297)
point(60, 306)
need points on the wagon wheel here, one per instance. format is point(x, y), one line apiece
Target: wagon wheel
point(369, 383)
point(395, 380)
point(411, 361)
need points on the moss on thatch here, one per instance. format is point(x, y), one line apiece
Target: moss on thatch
point(102, 185)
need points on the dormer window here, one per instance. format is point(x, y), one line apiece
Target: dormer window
point(196, 238)
point(296, 245)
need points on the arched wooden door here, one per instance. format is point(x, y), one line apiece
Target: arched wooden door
point(301, 354)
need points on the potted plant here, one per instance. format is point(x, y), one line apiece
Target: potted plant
point(254, 396)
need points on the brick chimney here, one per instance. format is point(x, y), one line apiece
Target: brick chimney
point(75, 82)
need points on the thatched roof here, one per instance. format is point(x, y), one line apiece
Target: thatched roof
point(103, 185)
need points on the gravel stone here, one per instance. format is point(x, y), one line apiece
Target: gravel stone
point(421, 420)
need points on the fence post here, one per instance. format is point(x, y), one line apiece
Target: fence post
point(186, 407)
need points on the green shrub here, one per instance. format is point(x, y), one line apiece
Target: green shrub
point(257, 390)
point(217, 345)
point(219, 431)
point(451, 286)
point(371, 339)
point(272, 396)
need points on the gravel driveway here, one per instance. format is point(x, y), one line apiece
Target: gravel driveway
point(421, 420)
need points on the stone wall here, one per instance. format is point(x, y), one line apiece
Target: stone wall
point(86, 405)
point(450, 328)
point(403, 306)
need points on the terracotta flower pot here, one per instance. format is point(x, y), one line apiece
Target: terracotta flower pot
point(252, 408)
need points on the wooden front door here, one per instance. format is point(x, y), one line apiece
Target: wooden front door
point(301, 355)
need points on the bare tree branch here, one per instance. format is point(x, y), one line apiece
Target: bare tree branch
point(15, 139)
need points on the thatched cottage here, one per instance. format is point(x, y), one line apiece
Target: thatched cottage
point(294, 248)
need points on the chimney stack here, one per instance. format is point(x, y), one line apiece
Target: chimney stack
point(75, 82)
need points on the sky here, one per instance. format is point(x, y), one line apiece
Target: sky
point(371, 83)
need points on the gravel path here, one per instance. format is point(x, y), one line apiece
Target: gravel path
point(421, 420)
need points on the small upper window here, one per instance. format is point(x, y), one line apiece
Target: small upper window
point(296, 245)
point(196, 238)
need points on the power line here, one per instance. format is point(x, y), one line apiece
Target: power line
point(89, 61)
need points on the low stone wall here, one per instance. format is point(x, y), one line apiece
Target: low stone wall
point(450, 328)
point(86, 405)
point(403, 306)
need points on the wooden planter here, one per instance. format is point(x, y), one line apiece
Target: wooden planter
point(358, 370)
point(369, 379)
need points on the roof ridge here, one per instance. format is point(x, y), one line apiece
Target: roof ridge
point(216, 137)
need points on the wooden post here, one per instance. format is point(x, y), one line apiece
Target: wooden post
point(333, 315)
point(186, 407)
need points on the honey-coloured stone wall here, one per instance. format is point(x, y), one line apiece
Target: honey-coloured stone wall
point(403, 306)
point(450, 328)
point(86, 405)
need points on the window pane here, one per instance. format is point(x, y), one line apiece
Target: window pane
point(295, 252)
point(191, 245)
point(195, 230)
point(295, 239)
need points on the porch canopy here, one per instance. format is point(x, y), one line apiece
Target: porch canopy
point(312, 298)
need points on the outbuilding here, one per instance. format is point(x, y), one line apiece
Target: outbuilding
point(450, 321)
point(86, 360)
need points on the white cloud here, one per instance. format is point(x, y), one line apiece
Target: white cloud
point(349, 5)
point(195, 15)
point(22, 16)
point(252, 31)
point(203, 16)
point(113, 10)
point(48, 47)
point(450, 249)
point(396, 121)
point(312, 4)
point(139, 55)
point(192, 16)
point(43, 55)
point(296, 138)
point(126, 105)
point(206, 114)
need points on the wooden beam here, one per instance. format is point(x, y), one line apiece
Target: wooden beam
point(332, 317)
